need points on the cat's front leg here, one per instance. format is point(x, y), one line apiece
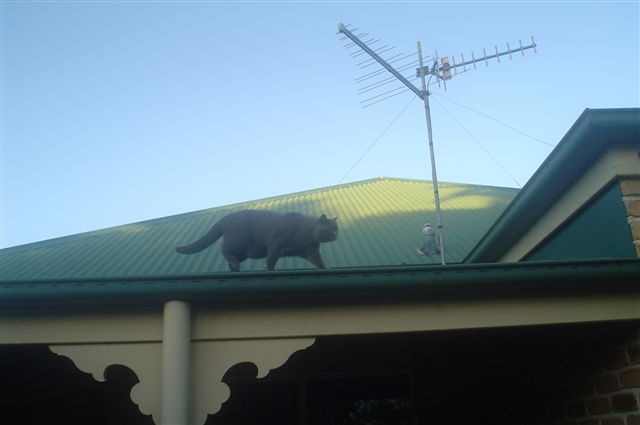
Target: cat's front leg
point(316, 259)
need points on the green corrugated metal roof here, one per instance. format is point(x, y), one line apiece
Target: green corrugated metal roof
point(380, 225)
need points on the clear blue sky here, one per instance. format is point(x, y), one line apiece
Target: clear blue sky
point(115, 112)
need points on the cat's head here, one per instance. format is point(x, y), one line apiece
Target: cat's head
point(326, 229)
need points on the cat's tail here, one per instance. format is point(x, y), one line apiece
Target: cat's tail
point(206, 240)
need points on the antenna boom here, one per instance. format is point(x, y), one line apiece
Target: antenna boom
point(374, 55)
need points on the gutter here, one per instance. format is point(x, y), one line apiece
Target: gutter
point(379, 284)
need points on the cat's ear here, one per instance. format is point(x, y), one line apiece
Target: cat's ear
point(322, 219)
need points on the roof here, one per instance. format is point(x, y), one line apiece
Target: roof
point(380, 225)
point(594, 132)
point(373, 259)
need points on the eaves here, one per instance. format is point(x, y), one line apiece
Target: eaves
point(351, 286)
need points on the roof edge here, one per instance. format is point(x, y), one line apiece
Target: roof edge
point(576, 152)
point(333, 285)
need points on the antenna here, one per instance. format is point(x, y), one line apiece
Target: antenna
point(441, 70)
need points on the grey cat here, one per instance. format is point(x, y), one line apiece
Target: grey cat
point(260, 233)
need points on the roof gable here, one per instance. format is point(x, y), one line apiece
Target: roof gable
point(601, 146)
point(599, 230)
point(380, 225)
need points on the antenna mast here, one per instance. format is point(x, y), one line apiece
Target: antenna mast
point(441, 69)
point(436, 193)
point(424, 95)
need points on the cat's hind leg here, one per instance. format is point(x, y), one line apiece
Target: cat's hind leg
point(233, 260)
point(272, 259)
point(234, 266)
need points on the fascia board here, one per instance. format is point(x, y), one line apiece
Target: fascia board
point(330, 286)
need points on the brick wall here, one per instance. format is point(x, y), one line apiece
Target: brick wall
point(599, 388)
point(631, 196)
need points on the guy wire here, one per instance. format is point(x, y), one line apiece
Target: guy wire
point(478, 143)
point(377, 139)
point(495, 120)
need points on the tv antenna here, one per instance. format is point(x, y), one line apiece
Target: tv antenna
point(441, 69)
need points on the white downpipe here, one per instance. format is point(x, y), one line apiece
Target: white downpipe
point(176, 356)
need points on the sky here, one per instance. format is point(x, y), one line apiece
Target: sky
point(114, 112)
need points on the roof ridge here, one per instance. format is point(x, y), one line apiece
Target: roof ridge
point(236, 205)
point(172, 217)
point(325, 189)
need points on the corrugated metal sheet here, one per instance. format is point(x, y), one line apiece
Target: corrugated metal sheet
point(380, 225)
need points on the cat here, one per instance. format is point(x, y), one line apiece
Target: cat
point(261, 233)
